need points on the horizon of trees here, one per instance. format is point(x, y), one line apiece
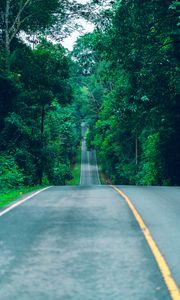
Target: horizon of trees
point(123, 79)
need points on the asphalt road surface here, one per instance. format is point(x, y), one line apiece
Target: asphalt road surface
point(83, 243)
point(89, 169)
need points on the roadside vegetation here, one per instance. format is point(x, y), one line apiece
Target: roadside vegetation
point(76, 169)
point(103, 179)
point(11, 195)
point(131, 89)
point(40, 128)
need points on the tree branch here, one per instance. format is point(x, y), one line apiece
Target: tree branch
point(168, 43)
point(17, 22)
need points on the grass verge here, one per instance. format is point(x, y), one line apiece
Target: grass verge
point(76, 170)
point(103, 178)
point(12, 195)
point(100, 172)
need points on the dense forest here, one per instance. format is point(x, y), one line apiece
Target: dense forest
point(122, 79)
point(39, 121)
point(130, 65)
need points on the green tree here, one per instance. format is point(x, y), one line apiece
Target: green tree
point(138, 47)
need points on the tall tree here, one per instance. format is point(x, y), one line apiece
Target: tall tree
point(136, 134)
point(24, 15)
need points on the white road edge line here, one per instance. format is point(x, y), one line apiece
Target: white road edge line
point(5, 211)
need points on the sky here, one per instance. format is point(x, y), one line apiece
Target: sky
point(88, 27)
point(70, 41)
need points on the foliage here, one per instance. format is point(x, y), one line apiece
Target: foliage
point(150, 170)
point(39, 125)
point(133, 88)
point(10, 174)
point(122, 80)
point(9, 195)
point(63, 136)
point(76, 169)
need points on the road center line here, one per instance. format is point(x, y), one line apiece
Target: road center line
point(162, 264)
point(5, 211)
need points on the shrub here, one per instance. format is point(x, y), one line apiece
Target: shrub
point(10, 175)
point(150, 173)
point(60, 173)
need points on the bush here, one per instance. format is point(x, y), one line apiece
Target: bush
point(150, 173)
point(10, 175)
point(60, 173)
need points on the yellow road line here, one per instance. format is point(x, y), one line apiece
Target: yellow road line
point(163, 266)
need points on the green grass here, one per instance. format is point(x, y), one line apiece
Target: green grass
point(76, 170)
point(12, 195)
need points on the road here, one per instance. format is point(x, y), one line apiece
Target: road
point(89, 169)
point(83, 242)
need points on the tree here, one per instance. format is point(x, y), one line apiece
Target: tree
point(24, 15)
point(51, 17)
point(42, 78)
point(139, 112)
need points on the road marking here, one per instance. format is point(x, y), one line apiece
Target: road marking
point(5, 211)
point(163, 266)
